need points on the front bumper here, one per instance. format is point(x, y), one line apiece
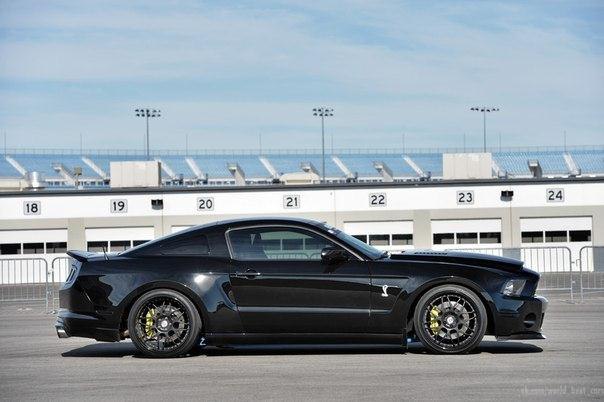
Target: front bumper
point(520, 318)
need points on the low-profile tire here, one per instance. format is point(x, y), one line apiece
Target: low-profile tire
point(164, 323)
point(450, 319)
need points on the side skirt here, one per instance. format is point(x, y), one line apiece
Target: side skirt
point(313, 339)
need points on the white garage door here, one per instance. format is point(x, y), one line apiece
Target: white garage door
point(384, 235)
point(467, 234)
point(117, 239)
point(557, 234)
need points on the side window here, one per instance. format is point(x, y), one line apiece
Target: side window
point(277, 244)
point(197, 245)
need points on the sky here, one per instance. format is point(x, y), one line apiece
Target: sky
point(226, 73)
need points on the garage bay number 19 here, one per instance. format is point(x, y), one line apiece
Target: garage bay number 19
point(118, 206)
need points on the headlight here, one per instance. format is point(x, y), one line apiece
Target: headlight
point(513, 287)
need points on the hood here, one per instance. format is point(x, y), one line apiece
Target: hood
point(459, 257)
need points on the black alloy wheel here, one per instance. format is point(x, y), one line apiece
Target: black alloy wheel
point(164, 323)
point(450, 319)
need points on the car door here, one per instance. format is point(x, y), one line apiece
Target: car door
point(281, 284)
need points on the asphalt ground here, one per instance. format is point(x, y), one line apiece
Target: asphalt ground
point(36, 365)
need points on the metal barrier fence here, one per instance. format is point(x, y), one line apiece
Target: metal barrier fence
point(59, 272)
point(555, 264)
point(591, 261)
point(31, 279)
point(24, 280)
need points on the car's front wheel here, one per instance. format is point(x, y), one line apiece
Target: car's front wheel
point(164, 323)
point(450, 319)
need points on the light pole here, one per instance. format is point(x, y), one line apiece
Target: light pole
point(484, 111)
point(146, 113)
point(322, 112)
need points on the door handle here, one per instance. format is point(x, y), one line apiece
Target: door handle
point(249, 273)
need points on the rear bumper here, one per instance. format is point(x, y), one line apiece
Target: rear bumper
point(520, 318)
point(70, 324)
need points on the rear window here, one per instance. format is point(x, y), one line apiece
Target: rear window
point(197, 245)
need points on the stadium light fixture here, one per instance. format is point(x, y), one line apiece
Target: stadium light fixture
point(484, 110)
point(146, 114)
point(322, 112)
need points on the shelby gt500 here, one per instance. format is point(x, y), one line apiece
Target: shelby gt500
point(278, 280)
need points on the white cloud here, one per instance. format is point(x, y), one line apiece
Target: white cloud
point(385, 67)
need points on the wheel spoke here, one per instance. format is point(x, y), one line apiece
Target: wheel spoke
point(170, 324)
point(457, 320)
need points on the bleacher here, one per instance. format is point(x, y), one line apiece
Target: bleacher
point(404, 165)
point(515, 163)
point(363, 164)
point(590, 161)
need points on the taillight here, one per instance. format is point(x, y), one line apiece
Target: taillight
point(73, 270)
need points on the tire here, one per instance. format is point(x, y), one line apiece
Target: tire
point(450, 319)
point(164, 323)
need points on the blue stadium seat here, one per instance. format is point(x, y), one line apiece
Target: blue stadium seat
point(516, 162)
point(43, 163)
point(589, 161)
point(290, 163)
point(429, 162)
point(363, 164)
point(178, 165)
point(216, 166)
point(7, 170)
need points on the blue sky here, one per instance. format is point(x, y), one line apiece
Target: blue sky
point(223, 72)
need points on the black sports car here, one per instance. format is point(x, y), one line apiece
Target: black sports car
point(281, 280)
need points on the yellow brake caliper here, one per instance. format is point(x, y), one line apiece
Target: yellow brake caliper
point(149, 322)
point(434, 313)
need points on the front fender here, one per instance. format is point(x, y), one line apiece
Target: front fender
point(449, 280)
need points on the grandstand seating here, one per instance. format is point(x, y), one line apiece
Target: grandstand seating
point(363, 164)
point(6, 169)
point(288, 163)
point(516, 162)
point(215, 166)
point(589, 160)
point(429, 162)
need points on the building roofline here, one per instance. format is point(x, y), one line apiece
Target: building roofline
point(288, 188)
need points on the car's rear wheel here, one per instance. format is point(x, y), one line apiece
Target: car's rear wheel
point(450, 319)
point(164, 323)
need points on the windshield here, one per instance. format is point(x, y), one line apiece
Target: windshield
point(365, 248)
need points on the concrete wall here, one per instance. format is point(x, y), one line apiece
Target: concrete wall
point(417, 202)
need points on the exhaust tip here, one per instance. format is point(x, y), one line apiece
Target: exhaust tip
point(61, 333)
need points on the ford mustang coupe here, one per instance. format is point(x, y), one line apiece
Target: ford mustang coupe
point(278, 280)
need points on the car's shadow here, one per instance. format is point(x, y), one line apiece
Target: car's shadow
point(125, 349)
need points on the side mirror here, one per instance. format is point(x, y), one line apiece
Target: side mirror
point(333, 255)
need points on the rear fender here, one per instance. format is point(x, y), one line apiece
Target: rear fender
point(129, 300)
